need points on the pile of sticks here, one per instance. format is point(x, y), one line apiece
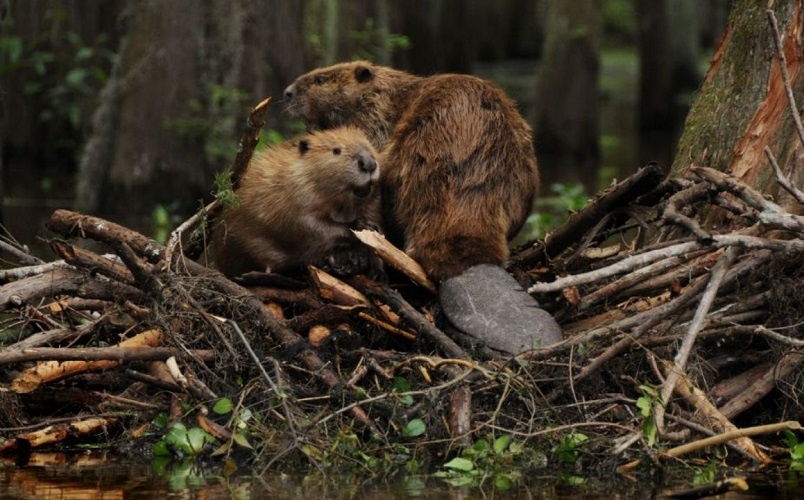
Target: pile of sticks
point(656, 306)
point(652, 303)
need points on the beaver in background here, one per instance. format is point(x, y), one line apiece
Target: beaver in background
point(459, 177)
point(298, 202)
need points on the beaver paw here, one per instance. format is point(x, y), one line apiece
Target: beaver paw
point(352, 261)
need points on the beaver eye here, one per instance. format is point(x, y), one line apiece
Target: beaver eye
point(319, 80)
point(336, 151)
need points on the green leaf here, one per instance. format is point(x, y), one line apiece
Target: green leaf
point(160, 420)
point(197, 438)
point(415, 427)
point(644, 404)
point(650, 431)
point(176, 438)
point(503, 482)
point(501, 443)
point(222, 449)
point(242, 441)
point(160, 449)
point(83, 53)
point(481, 445)
point(313, 452)
point(460, 481)
point(223, 406)
point(460, 464)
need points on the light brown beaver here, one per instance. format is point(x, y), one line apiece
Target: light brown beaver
point(459, 170)
point(297, 203)
point(459, 176)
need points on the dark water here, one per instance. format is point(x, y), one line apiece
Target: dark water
point(98, 476)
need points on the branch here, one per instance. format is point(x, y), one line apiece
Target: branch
point(680, 363)
point(783, 181)
point(791, 100)
point(621, 194)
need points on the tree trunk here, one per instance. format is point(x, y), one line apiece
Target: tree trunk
point(171, 113)
point(567, 127)
point(655, 65)
point(742, 105)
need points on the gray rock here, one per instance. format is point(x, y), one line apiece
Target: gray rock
point(487, 303)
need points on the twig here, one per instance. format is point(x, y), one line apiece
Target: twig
point(96, 354)
point(791, 99)
point(680, 362)
point(770, 213)
point(623, 193)
point(400, 306)
point(272, 386)
point(19, 273)
point(720, 439)
point(795, 246)
point(10, 245)
point(783, 181)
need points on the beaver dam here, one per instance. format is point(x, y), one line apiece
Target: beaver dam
point(686, 290)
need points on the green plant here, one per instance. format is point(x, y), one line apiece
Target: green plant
point(567, 451)
point(60, 69)
point(554, 211)
point(181, 442)
point(372, 41)
point(705, 475)
point(796, 451)
point(501, 459)
point(645, 403)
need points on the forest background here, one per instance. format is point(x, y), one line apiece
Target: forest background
point(127, 108)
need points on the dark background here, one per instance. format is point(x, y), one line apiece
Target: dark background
point(127, 108)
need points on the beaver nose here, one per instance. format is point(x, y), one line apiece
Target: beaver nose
point(289, 92)
point(367, 163)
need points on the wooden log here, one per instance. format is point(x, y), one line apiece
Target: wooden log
point(65, 281)
point(579, 223)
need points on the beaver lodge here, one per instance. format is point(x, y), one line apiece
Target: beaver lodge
point(686, 290)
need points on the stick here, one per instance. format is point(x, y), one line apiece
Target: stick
point(245, 150)
point(794, 246)
point(791, 99)
point(720, 439)
point(64, 280)
point(400, 306)
point(783, 181)
point(680, 362)
point(97, 354)
point(621, 194)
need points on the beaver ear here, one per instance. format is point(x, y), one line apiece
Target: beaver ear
point(304, 146)
point(363, 74)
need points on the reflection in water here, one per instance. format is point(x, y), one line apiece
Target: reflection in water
point(95, 475)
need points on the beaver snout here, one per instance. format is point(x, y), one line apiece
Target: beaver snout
point(366, 163)
point(289, 92)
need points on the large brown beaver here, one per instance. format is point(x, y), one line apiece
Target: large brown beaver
point(459, 170)
point(459, 177)
point(297, 203)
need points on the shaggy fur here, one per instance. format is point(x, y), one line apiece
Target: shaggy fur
point(459, 170)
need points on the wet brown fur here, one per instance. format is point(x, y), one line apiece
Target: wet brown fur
point(459, 170)
point(297, 203)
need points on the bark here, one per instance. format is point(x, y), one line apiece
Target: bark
point(742, 106)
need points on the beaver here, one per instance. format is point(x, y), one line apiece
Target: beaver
point(297, 203)
point(459, 176)
point(459, 169)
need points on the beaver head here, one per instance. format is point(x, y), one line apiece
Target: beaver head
point(342, 161)
point(358, 93)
